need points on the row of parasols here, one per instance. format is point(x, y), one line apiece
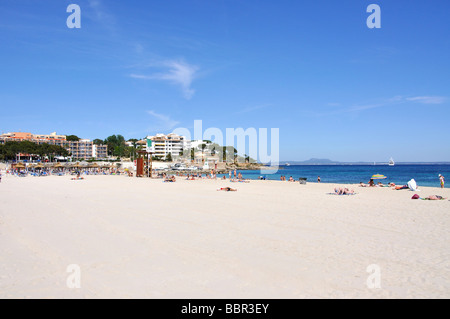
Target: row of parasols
point(64, 165)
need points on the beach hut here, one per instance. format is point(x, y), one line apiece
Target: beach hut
point(77, 165)
point(84, 164)
point(19, 166)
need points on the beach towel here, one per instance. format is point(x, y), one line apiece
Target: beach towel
point(341, 194)
point(439, 198)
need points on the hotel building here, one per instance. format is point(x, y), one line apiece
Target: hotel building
point(163, 145)
point(82, 149)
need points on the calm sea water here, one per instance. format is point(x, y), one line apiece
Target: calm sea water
point(425, 175)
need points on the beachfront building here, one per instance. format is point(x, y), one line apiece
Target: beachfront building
point(82, 149)
point(99, 151)
point(207, 160)
point(197, 144)
point(163, 145)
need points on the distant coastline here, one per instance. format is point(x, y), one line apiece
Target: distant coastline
point(364, 164)
point(315, 161)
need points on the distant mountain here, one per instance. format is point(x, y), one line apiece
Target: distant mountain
point(320, 161)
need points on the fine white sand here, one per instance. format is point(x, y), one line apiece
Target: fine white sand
point(143, 238)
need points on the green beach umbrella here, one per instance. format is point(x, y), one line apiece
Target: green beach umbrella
point(378, 176)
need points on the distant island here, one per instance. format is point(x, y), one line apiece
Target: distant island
point(322, 161)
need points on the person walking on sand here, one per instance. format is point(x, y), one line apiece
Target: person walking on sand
point(442, 180)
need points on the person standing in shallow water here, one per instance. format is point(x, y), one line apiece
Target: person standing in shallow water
point(318, 179)
point(442, 180)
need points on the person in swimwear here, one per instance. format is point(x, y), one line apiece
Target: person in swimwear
point(227, 189)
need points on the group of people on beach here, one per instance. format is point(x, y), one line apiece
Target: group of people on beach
point(372, 184)
point(283, 179)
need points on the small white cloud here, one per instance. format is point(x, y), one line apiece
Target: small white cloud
point(100, 14)
point(141, 77)
point(396, 100)
point(164, 122)
point(177, 72)
point(139, 48)
point(427, 99)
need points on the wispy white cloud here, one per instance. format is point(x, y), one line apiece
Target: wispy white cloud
point(100, 14)
point(140, 77)
point(427, 99)
point(176, 72)
point(162, 122)
point(396, 100)
point(139, 48)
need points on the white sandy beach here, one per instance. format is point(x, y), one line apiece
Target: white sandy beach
point(142, 238)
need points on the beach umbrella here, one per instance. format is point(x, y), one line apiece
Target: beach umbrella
point(378, 176)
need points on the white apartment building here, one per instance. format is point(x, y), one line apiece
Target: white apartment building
point(197, 143)
point(162, 145)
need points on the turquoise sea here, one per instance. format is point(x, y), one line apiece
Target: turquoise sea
point(425, 175)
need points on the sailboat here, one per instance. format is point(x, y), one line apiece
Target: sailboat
point(391, 162)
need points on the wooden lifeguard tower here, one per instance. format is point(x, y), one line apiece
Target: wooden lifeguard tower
point(144, 164)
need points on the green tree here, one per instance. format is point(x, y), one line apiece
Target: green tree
point(9, 150)
point(98, 141)
point(116, 145)
point(72, 138)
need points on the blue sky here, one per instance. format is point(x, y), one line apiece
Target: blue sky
point(335, 88)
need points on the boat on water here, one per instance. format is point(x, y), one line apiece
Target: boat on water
point(391, 162)
point(287, 164)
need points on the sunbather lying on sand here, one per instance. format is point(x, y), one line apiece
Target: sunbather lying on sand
point(239, 181)
point(171, 179)
point(344, 191)
point(227, 189)
point(434, 197)
point(78, 177)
